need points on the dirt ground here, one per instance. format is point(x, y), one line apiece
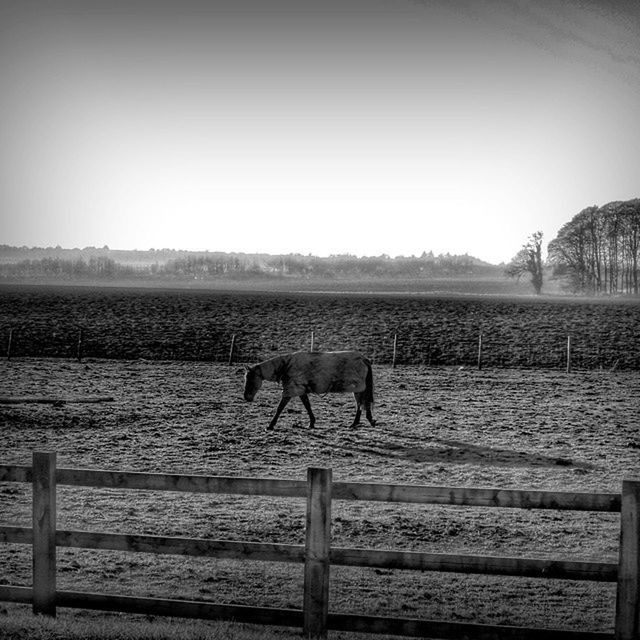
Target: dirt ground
point(433, 330)
point(534, 429)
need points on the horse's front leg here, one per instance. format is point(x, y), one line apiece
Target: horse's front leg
point(307, 405)
point(284, 401)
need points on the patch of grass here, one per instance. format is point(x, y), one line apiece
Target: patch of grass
point(18, 623)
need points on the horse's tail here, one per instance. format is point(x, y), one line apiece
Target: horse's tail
point(368, 388)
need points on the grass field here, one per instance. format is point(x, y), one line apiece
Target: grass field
point(525, 428)
point(20, 624)
point(521, 422)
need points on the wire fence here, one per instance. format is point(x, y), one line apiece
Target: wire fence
point(246, 327)
point(412, 345)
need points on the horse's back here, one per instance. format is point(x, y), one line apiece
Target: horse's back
point(325, 372)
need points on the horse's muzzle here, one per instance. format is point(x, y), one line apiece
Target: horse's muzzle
point(248, 398)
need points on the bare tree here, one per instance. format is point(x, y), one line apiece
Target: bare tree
point(528, 260)
point(598, 251)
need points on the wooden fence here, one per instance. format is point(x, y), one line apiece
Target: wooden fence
point(317, 554)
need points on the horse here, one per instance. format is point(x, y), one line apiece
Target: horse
point(304, 372)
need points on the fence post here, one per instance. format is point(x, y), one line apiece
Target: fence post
point(628, 594)
point(317, 550)
point(395, 350)
point(80, 344)
point(231, 350)
point(9, 343)
point(44, 533)
point(480, 351)
point(568, 354)
point(312, 340)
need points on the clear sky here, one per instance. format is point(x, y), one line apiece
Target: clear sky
point(342, 126)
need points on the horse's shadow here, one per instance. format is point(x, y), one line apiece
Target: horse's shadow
point(456, 452)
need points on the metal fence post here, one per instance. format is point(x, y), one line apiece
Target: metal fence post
point(317, 550)
point(80, 344)
point(395, 350)
point(628, 594)
point(232, 349)
point(9, 341)
point(44, 533)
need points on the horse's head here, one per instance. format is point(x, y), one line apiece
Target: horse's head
point(252, 382)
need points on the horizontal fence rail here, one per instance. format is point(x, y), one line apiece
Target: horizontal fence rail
point(378, 492)
point(477, 497)
point(373, 558)
point(317, 555)
point(200, 547)
point(164, 482)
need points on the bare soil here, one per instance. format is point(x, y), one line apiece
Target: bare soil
point(521, 428)
point(437, 330)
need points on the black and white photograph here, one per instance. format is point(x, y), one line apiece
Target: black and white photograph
point(319, 319)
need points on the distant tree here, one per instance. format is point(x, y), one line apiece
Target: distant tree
point(598, 250)
point(529, 260)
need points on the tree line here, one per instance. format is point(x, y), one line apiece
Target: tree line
point(597, 251)
point(65, 269)
point(205, 266)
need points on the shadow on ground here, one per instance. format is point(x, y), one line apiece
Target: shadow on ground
point(456, 452)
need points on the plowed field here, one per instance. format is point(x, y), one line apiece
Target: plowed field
point(434, 330)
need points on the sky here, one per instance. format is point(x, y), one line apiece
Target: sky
point(366, 127)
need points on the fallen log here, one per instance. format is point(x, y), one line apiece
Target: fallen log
point(52, 400)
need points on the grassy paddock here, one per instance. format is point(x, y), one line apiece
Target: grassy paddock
point(535, 429)
point(18, 623)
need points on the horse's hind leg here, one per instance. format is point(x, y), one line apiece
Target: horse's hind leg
point(356, 419)
point(284, 401)
point(360, 400)
point(370, 418)
point(307, 405)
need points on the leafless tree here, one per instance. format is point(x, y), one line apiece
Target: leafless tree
point(529, 260)
point(599, 249)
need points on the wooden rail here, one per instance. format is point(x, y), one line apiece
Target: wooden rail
point(417, 494)
point(275, 552)
point(316, 554)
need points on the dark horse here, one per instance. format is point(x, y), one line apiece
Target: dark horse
point(305, 372)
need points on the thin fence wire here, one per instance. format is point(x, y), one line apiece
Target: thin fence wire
point(412, 346)
point(200, 325)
